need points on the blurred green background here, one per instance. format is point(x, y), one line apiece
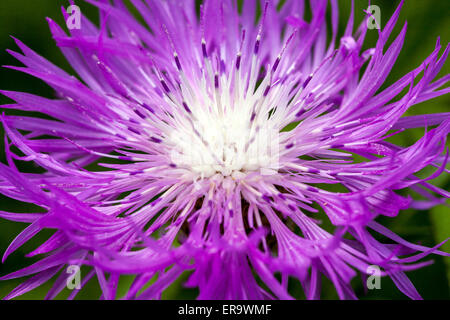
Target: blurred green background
point(25, 19)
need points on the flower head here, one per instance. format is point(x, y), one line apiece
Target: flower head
point(208, 143)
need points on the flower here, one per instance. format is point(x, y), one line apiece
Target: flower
point(208, 143)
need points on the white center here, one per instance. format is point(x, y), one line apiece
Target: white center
point(224, 144)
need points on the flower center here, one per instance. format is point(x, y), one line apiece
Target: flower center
point(224, 142)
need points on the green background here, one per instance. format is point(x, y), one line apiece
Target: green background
point(25, 19)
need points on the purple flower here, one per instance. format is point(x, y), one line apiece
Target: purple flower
point(208, 143)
